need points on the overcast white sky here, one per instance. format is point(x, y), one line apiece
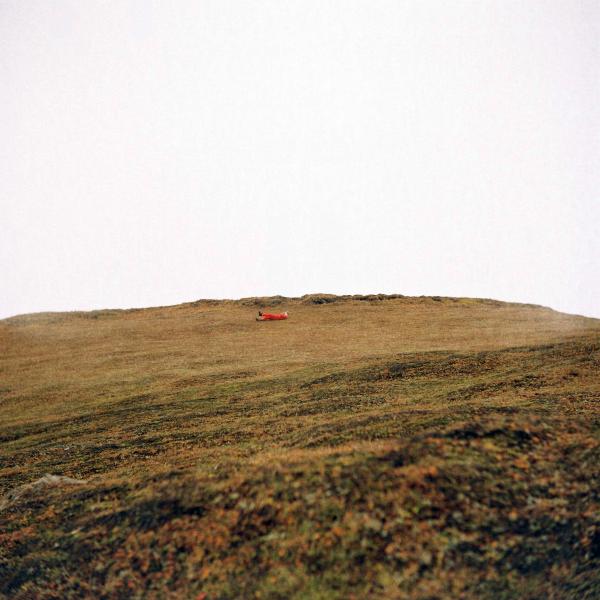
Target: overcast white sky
point(159, 152)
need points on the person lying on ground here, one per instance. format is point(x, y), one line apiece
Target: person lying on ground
point(271, 316)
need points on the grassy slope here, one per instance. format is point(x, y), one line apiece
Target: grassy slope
point(397, 448)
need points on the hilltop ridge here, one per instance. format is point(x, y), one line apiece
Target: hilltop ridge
point(277, 300)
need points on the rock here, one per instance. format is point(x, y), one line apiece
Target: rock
point(27, 489)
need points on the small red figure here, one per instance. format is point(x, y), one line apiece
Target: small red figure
point(271, 317)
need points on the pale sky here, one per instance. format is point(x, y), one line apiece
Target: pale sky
point(153, 153)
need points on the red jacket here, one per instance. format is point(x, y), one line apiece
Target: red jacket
point(272, 317)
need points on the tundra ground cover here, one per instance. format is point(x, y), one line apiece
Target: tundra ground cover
point(374, 446)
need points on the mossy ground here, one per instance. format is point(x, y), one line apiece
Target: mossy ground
point(368, 447)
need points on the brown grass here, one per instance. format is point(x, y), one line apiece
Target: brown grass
point(319, 457)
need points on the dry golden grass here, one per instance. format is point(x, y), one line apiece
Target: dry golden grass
point(234, 458)
point(51, 360)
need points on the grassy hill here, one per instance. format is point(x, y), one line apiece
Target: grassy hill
point(368, 447)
